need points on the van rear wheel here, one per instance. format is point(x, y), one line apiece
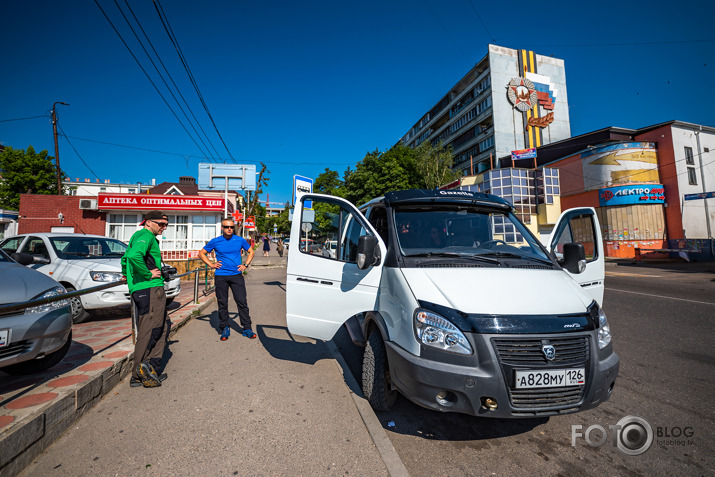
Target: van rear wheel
point(376, 383)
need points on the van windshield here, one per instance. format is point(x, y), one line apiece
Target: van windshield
point(464, 231)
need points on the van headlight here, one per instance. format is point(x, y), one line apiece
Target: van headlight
point(56, 291)
point(604, 330)
point(438, 332)
point(105, 276)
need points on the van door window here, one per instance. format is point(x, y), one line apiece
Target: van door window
point(329, 222)
point(378, 219)
point(578, 228)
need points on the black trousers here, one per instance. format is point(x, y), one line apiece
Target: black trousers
point(151, 327)
point(238, 288)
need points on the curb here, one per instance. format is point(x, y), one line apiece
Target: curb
point(41, 428)
point(390, 457)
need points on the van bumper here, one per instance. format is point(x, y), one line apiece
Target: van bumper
point(450, 387)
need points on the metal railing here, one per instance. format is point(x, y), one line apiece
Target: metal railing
point(5, 309)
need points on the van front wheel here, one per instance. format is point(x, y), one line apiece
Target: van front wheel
point(376, 384)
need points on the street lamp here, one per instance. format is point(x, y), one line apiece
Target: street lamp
point(57, 151)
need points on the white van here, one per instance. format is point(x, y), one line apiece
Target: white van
point(460, 308)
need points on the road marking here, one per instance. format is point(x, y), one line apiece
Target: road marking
point(621, 274)
point(661, 296)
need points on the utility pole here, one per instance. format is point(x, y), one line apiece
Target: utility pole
point(57, 150)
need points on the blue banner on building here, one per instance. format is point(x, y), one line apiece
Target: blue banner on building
point(701, 195)
point(632, 194)
point(523, 154)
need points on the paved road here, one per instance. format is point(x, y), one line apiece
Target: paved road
point(270, 406)
point(662, 323)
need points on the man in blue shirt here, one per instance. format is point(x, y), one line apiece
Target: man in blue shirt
point(229, 274)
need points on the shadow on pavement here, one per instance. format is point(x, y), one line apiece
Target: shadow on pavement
point(77, 355)
point(280, 344)
point(278, 284)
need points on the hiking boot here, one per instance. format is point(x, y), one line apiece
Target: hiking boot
point(148, 376)
point(225, 333)
point(135, 382)
point(248, 333)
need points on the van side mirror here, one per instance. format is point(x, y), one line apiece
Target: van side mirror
point(574, 258)
point(368, 252)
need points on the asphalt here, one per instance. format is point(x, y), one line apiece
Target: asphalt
point(277, 405)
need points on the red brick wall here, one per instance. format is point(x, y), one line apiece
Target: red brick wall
point(38, 213)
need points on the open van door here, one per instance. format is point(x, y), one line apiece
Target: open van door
point(581, 225)
point(322, 292)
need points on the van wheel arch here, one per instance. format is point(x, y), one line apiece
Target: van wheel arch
point(374, 320)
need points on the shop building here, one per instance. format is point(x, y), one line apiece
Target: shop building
point(8, 223)
point(641, 182)
point(510, 100)
point(194, 215)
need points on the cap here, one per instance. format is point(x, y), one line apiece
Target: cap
point(154, 215)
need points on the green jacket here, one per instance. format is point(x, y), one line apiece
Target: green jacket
point(134, 267)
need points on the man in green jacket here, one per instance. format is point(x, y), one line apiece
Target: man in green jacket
point(141, 265)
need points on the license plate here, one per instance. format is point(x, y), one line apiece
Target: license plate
point(4, 338)
point(552, 378)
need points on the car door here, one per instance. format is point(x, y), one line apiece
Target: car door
point(322, 292)
point(581, 225)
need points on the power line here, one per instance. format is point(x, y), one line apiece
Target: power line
point(174, 41)
point(75, 150)
point(482, 21)
point(201, 157)
point(22, 119)
point(168, 74)
point(148, 77)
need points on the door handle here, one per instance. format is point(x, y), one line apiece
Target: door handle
point(301, 279)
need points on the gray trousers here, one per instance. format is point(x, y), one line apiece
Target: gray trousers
point(151, 326)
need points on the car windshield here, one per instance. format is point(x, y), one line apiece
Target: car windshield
point(82, 247)
point(464, 231)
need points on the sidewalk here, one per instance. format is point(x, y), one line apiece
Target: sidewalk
point(36, 409)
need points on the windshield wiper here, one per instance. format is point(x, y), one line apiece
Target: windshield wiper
point(76, 254)
point(454, 255)
point(113, 254)
point(516, 255)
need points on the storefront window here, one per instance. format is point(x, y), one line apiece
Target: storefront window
point(203, 229)
point(176, 235)
point(122, 226)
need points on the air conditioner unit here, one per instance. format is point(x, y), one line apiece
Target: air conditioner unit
point(88, 204)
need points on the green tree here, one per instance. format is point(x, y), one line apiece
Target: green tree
point(379, 173)
point(25, 172)
point(328, 182)
point(434, 165)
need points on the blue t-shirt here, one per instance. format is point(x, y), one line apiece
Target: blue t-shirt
point(228, 252)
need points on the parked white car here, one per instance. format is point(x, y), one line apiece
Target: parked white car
point(79, 261)
point(329, 248)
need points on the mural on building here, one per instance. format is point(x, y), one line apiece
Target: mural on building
point(617, 164)
point(533, 95)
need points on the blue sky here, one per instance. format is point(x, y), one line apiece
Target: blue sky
point(307, 85)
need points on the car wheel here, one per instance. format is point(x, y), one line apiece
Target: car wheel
point(169, 301)
point(37, 365)
point(376, 384)
point(79, 314)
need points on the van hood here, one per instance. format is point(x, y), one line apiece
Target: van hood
point(18, 283)
point(498, 291)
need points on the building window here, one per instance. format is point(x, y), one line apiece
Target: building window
point(203, 229)
point(176, 235)
point(689, 159)
point(692, 178)
point(122, 226)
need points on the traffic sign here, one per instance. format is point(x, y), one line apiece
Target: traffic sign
point(701, 195)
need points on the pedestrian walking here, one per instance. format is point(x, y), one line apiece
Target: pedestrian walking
point(266, 246)
point(141, 265)
point(280, 247)
point(229, 274)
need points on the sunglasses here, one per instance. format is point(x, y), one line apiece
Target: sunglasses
point(227, 226)
point(161, 224)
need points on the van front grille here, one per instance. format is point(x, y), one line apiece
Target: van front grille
point(569, 351)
